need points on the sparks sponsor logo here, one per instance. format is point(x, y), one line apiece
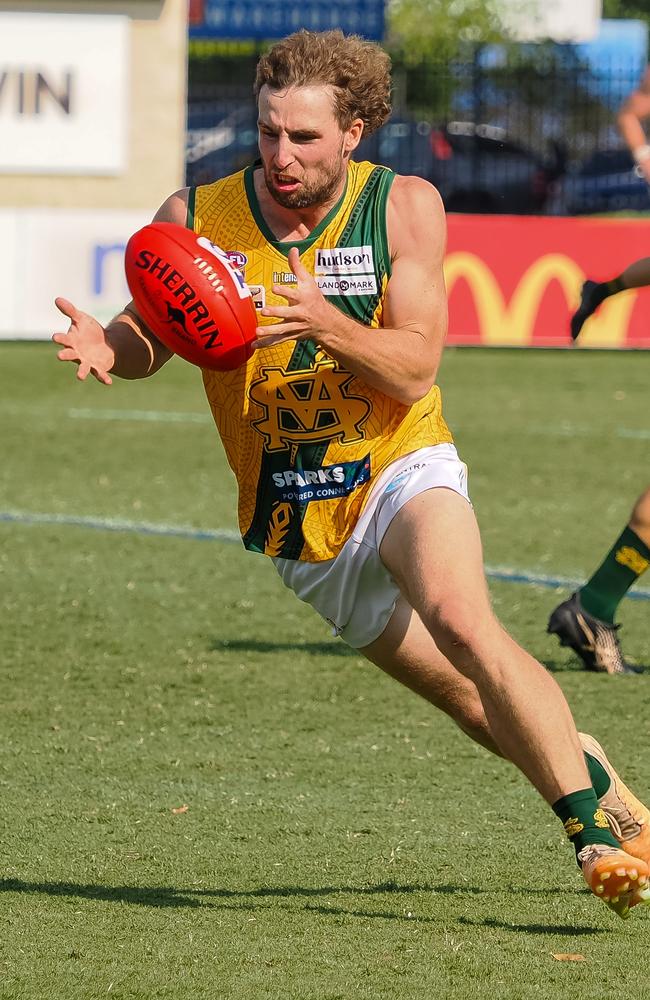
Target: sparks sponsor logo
point(332, 284)
point(344, 260)
point(309, 477)
point(327, 483)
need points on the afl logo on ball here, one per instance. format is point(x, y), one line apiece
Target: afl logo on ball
point(237, 259)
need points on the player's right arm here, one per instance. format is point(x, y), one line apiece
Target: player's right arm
point(126, 347)
point(634, 111)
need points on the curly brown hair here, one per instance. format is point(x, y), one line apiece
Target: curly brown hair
point(358, 70)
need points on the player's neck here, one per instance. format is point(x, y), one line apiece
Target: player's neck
point(289, 224)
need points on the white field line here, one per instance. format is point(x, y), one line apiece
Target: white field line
point(125, 416)
point(504, 574)
point(151, 416)
point(121, 524)
point(563, 429)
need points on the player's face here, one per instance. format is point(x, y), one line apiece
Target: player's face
point(303, 149)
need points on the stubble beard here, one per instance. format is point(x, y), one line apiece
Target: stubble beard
point(316, 192)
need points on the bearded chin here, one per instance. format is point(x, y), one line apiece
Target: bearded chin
point(307, 195)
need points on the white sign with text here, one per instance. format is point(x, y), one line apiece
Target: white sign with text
point(63, 93)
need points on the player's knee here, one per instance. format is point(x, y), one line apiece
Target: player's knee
point(457, 631)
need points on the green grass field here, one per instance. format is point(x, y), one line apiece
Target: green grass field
point(204, 795)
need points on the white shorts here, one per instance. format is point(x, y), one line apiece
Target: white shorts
point(354, 592)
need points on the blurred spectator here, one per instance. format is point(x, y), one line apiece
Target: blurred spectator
point(634, 111)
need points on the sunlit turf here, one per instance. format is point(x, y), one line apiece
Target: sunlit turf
point(205, 795)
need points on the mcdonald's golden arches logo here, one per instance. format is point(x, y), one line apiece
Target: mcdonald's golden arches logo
point(512, 322)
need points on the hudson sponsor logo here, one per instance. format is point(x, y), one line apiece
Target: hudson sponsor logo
point(344, 260)
point(355, 284)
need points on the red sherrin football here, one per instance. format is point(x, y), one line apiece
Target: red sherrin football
point(190, 295)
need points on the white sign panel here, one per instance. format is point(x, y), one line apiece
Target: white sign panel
point(63, 93)
point(49, 252)
point(561, 20)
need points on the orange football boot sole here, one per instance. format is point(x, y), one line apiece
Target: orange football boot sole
point(620, 880)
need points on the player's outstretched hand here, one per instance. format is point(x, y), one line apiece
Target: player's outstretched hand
point(84, 344)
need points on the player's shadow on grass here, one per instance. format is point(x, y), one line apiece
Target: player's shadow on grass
point(570, 666)
point(164, 896)
point(251, 900)
point(335, 648)
point(574, 666)
point(571, 930)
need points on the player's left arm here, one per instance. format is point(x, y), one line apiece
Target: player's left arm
point(401, 358)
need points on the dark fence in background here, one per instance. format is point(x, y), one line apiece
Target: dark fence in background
point(524, 135)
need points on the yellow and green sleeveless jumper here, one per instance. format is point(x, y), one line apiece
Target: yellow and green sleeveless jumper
point(304, 436)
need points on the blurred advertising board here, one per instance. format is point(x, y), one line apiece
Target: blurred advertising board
point(515, 280)
point(78, 254)
point(251, 19)
point(64, 88)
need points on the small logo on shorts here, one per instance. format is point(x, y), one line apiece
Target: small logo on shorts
point(337, 628)
point(395, 483)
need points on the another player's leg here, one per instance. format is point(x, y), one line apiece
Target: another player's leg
point(585, 621)
point(593, 293)
point(527, 714)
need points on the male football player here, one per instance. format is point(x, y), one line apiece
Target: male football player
point(348, 477)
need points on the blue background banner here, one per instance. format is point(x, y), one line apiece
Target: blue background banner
point(252, 19)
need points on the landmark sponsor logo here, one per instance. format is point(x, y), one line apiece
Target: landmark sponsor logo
point(355, 284)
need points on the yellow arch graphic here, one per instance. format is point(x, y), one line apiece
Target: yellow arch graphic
point(512, 323)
